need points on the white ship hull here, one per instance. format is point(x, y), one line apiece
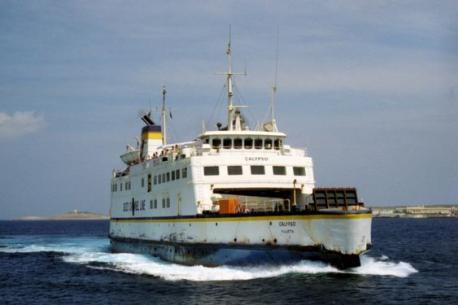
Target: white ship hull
point(338, 238)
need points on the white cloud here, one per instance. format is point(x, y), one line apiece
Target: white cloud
point(20, 124)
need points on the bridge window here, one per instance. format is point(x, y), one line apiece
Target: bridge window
point(299, 171)
point(279, 170)
point(268, 144)
point(173, 175)
point(277, 144)
point(258, 143)
point(234, 170)
point(184, 172)
point(143, 182)
point(211, 170)
point(248, 143)
point(216, 143)
point(257, 170)
point(237, 143)
point(159, 179)
point(227, 143)
point(163, 178)
point(168, 177)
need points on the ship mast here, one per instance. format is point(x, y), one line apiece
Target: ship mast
point(274, 88)
point(164, 118)
point(233, 120)
point(230, 106)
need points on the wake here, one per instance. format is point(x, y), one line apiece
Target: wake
point(94, 252)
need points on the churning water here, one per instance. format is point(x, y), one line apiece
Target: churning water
point(71, 262)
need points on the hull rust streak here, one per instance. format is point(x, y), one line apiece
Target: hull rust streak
point(245, 240)
point(211, 255)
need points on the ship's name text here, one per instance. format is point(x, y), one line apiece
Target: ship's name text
point(287, 223)
point(256, 159)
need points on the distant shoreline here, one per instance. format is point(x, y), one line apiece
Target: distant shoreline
point(73, 215)
point(417, 211)
point(53, 219)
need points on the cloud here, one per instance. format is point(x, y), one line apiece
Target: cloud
point(19, 124)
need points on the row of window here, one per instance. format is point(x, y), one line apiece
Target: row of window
point(167, 177)
point(158, 179)
point(233, 170)
point(127, 186)
point(134, 205)
point(247, 143)
point(165, 203)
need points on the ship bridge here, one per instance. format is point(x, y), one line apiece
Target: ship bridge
point(243, 139)
point(254, 166)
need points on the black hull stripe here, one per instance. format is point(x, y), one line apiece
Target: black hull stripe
point(260, 216)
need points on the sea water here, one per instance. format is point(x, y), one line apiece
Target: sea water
point(70, 262)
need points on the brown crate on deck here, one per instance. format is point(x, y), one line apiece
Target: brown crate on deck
point(228, 206)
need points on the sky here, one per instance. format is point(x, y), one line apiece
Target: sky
point(369, 88)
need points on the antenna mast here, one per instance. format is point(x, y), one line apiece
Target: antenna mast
point(230, 105)
point(164, 117)
point(274, 86)
point(233, 120)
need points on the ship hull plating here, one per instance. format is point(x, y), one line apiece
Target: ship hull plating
point(337, 239)
point(212, 255)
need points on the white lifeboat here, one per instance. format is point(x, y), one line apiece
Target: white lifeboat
point(132, 156)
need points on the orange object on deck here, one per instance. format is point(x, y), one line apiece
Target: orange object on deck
point(228, 206)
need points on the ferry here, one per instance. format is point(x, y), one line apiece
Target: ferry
point(231, 196)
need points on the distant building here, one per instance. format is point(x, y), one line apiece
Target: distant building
point(416, 211)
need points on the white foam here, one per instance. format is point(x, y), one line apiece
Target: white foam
point(91, 250)
point(382, 266)
point(141, 264)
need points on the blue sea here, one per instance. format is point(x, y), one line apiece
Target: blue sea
point(413, 261)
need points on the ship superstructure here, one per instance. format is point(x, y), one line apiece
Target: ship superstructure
point(231, 196)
